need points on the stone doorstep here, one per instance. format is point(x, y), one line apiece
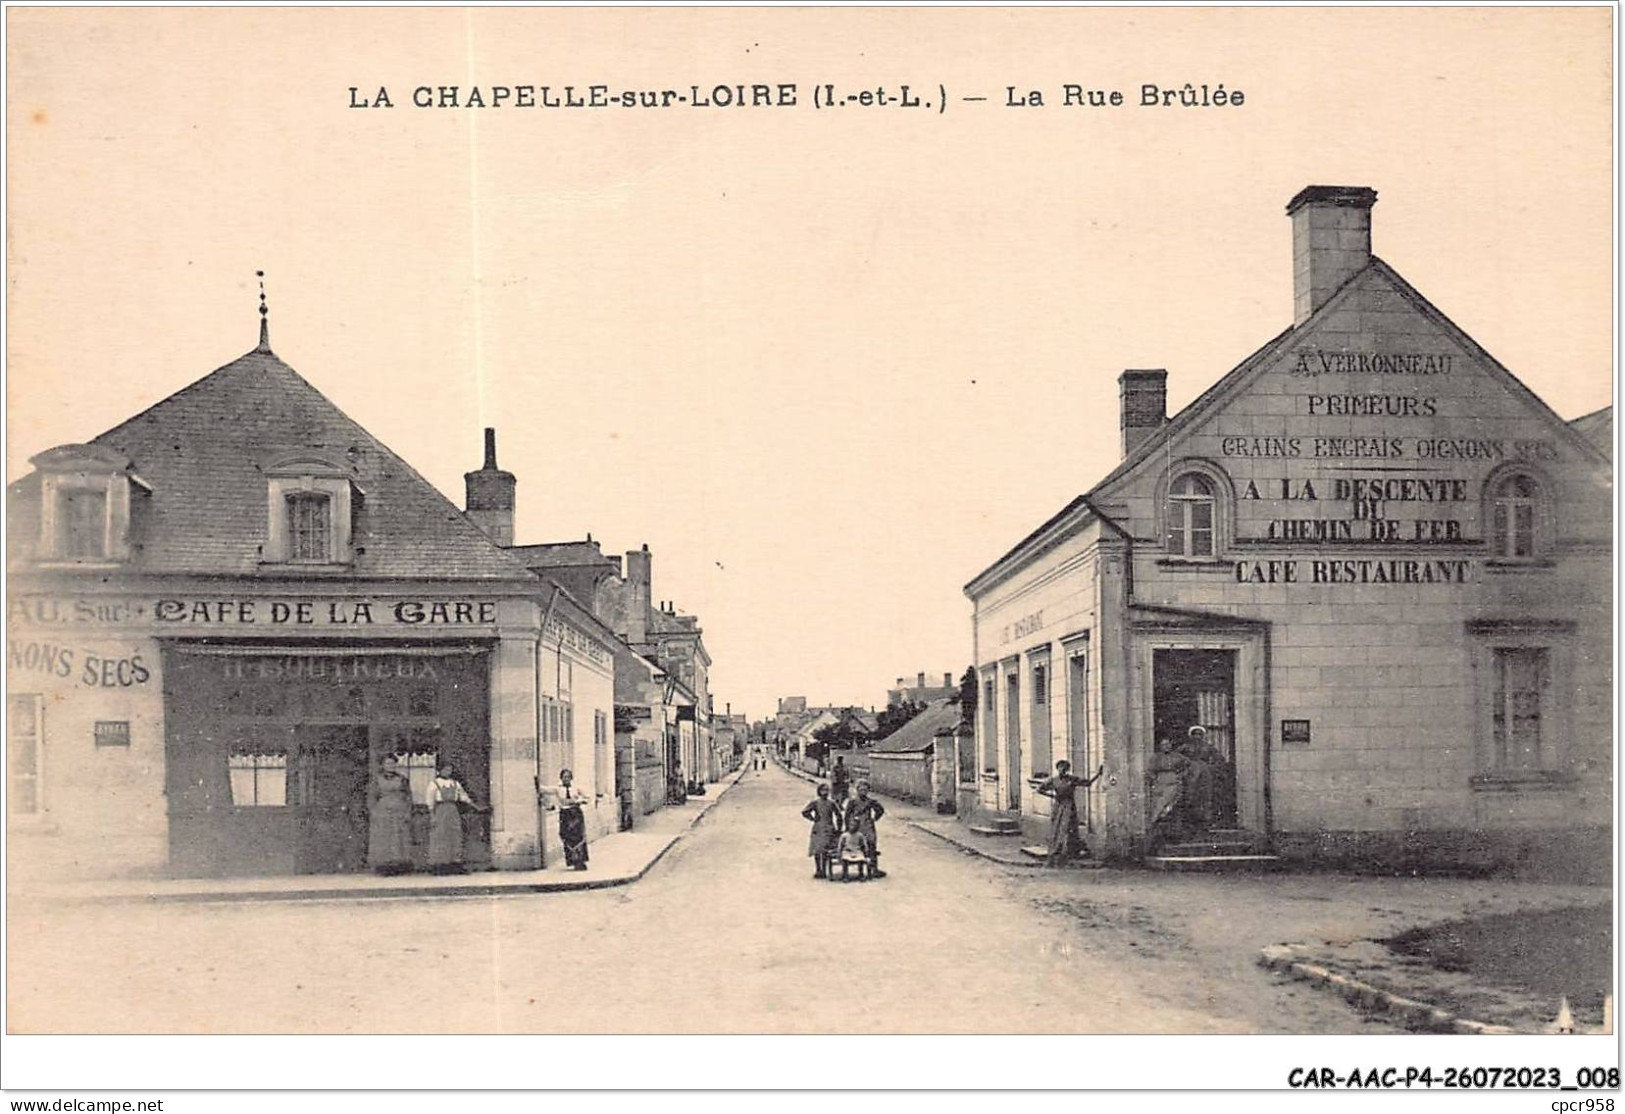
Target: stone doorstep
point(638, 862)
point(1040, 851)
point(1371, 999)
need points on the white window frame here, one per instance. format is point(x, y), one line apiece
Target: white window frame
point(1491, 638)
point(1220, 497)
point(302, 477)
point(115, 492)
point(1539, 505)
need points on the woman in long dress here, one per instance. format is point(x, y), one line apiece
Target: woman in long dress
point(389, 840)
point(825, 815)
point(446, 799)
point(572, 820)
point(1065, 840)
point(1167, 780)
point(867, 810)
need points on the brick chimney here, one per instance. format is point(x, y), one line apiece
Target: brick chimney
point(947, 680)
point(1331, 242)
point(1144, 404)
point(490, 495)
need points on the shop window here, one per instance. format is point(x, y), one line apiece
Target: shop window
point(258, 780)
point(423, 702)
point(418, 767)
point(25, 746)
point(1191, 516)
point(311, 503)
point(1515, 517)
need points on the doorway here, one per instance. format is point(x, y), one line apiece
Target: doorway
point(1196, 688)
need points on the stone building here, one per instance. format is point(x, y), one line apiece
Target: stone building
point(226, 610)
point(1368, 562)
point(673, 704)
point(920, 692)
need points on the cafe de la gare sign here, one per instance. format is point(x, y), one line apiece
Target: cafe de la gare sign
point(236, 612)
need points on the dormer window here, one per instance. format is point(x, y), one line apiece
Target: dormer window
point(85, 505)
point(311, 500)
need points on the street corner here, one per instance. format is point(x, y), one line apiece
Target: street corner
point(1525, 971)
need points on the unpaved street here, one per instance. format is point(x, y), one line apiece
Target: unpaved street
point(728, 933)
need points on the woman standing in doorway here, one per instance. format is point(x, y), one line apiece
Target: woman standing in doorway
point(1065, 840)
point(446, 799)
point(572, 821)
point(389, 842)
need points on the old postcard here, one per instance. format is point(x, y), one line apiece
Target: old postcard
point(984, 522)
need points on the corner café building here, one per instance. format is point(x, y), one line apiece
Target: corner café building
point(225, 611)
point(1371, 563)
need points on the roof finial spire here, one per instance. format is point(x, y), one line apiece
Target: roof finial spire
point(265, 314)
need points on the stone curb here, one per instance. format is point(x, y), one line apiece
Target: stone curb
point(1370, 999)
point(1025, 863)
point(493, 888)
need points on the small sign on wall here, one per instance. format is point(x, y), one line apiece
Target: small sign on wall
point(1294, 732)
point(112, 733)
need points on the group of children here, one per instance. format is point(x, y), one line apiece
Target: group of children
point(843, 833)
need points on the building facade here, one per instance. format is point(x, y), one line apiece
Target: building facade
point(227, 610)
point(1369, 563)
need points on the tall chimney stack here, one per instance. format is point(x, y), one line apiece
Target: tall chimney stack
point(1143, 395)
point(639, 574)
point(947, 680)
point(919, 681)
point(1331, 242)
point(490, 495)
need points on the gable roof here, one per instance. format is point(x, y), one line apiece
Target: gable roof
point(1240, 376)
point(920, 733)
point(206, 448)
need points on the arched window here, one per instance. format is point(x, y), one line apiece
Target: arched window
point(1191, 506)
point(1515, 517)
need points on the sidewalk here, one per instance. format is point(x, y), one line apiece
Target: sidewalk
point(616, 860)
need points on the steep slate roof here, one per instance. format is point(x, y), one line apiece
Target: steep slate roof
point(205, 448)
point(918, 733)
point(1598, 428)
point(548, 555)
point(1237, 378)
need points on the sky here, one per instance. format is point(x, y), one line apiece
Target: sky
point(827, 363)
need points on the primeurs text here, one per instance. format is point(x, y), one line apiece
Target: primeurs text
point(935, 98)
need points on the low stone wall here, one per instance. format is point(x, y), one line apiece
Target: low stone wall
point(907, 776)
